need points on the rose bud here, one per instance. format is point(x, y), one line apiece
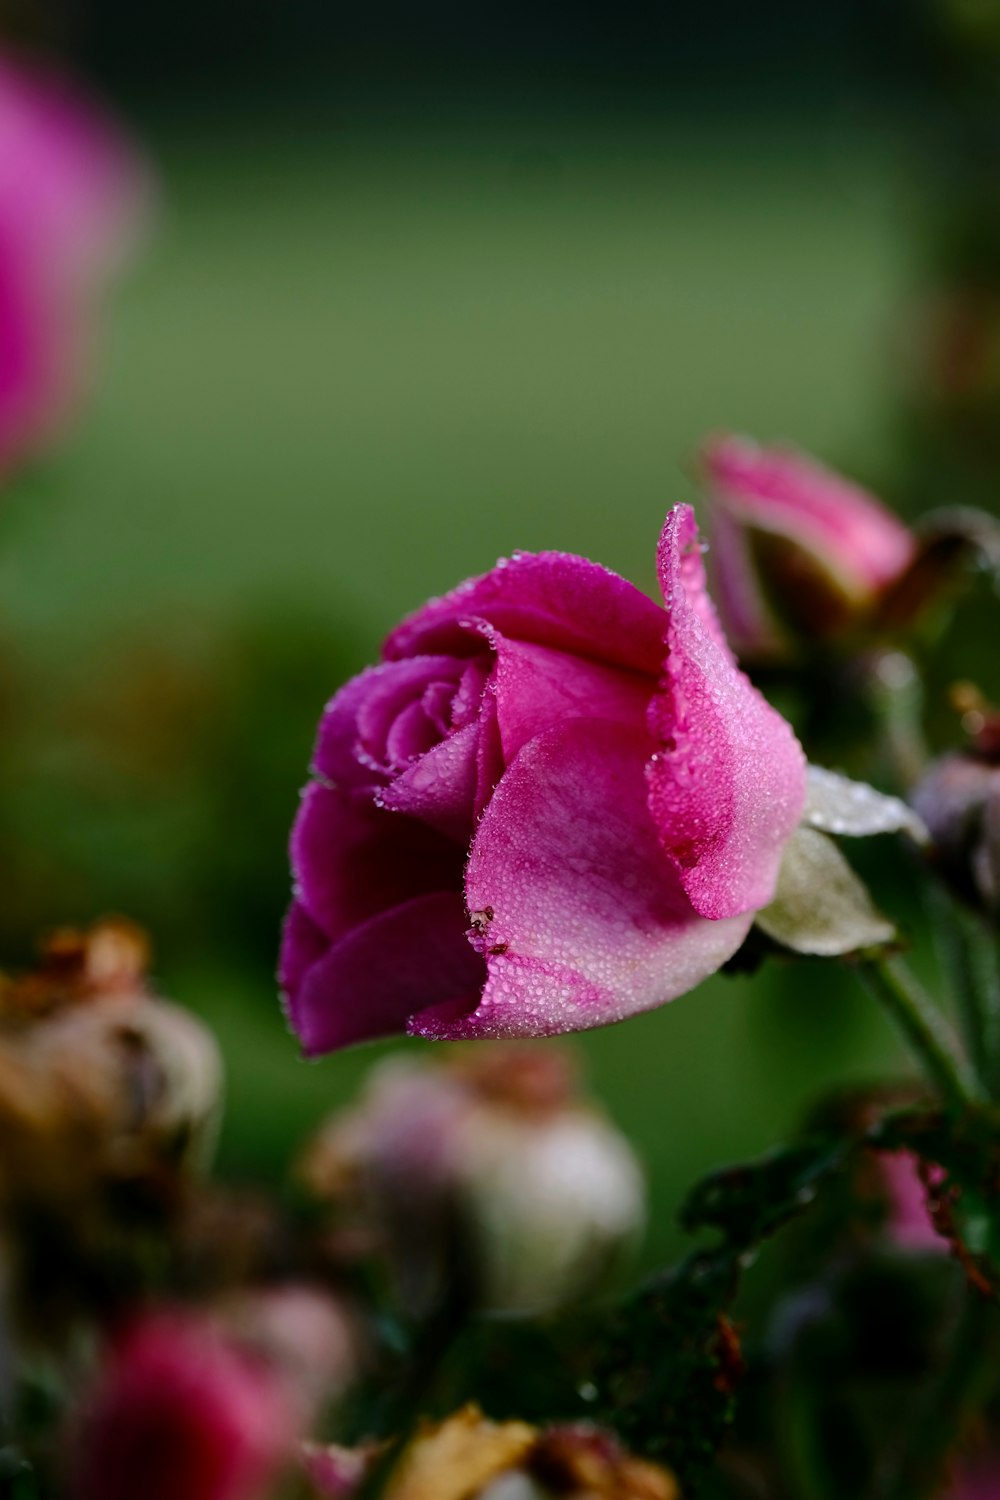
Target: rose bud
point(182, 1408)
point(798, 554)
point(554, 804)
point(469, 1457)
point(959, 800)
point(72, 197)
point(491, 1176)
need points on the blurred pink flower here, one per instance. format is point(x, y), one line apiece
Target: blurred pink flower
point(72, 194)
point(908, 1223)
point(797, 550)
point(189, 1404)
point(553, 805)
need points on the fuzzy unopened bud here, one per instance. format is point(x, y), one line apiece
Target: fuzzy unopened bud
point(488, 1173)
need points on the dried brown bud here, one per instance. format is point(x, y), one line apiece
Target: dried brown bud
point(76, 965)
point(469, 1457)
point(109, 1099)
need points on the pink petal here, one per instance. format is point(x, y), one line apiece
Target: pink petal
point(371, 982)
point(537, 687)
point(392, 697)
point(580, 914)
point(335, 756)
point(440, 787)
point(489, 752)
point(727, 784)
point(353, 859)
point(782, 491)
point(549, 598)
point(358, 719)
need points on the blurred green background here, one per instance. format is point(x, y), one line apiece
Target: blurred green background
point(370, 347)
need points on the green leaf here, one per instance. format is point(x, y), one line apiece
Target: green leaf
point(820, 906)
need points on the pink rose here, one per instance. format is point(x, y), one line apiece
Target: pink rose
point(71, 192)
point(797, 551)
point(552, 805)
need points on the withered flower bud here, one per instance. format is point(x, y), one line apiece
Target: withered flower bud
point(99, 1078)
point(489, 1173)
point(109, 1099)
point(469, 1457)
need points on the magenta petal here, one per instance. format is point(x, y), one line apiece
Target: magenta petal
point(727, 783)
point(779, 490)
point(580, 914)
point(550, 598)
point(352, 859)
point(302, 945)
point(440, 788)
point(375, 978)
point(537, 687)
point(358, 719)
point(335, 757)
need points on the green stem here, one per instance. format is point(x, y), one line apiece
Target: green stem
point(924, 1027)
point(966, 954)
point(913, 1466)
point(405, 1404)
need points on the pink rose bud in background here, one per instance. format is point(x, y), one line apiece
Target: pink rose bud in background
point(797, 551)
point(72, 196)
point(908, 1221)
point(546, 1194)
point(181, 1409)
point(554, 804)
